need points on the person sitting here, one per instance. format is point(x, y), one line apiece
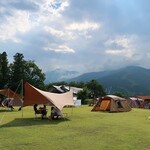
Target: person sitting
point(36, 110)
point(43, 111)
point(10, 103)
point(58, 112)
point(55, 112)
point(5, 102)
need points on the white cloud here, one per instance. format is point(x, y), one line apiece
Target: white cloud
point(54, 7)
point(54, 32)
point(59, 48)
point(124, 46)
point(73, 30)
point(17, 23)
point(126, 52)
point(148, 55)
point(83, 26)
point(79, 28)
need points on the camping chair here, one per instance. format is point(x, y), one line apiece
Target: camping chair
point(41, 111)
point(62, 116)
point(36, 111)
point(57, 114)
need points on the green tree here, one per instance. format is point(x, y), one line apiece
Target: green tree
point(17, 71)
point(26, 71)
point(34, 75)
point(77, 84)
point(120, 94)
point(83, 95)
point(95, 88)
point(4, 70)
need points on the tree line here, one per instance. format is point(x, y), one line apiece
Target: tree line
point(11, 74)
point(20, 69)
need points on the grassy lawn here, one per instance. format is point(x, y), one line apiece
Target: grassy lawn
point(83, 129)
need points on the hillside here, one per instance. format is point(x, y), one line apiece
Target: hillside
point(130, 80)
point(59, 75)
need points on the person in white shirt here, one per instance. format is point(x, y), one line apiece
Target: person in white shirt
point(55, 112)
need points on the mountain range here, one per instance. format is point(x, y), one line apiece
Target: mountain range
point(131, 80)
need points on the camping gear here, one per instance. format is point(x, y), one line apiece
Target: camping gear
point(112, 103)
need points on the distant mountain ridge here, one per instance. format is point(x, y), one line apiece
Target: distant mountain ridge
point(60, 75)
point(131, 80)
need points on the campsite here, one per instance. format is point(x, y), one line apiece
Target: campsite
point(110, 124)
point(82, 130)
point(74, 75)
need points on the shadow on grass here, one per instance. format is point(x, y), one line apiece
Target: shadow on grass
point(21, 122)
point(8, 110)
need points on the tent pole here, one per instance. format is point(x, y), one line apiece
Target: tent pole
point(22, 112)
point(22, 97)
point(2, 117)
point(72, 111)
point(18, 87)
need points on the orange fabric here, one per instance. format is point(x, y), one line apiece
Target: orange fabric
point(33, 96)
point(10, 94)
point(96, 108)
point(104, 104)
point(144, 97)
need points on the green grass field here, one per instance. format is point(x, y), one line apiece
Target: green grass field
point(82, 130)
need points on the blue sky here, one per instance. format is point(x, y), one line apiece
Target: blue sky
point(80, 35)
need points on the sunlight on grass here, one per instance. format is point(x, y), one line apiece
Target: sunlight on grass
point(82, 129)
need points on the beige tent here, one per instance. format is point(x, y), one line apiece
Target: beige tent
point(34, 95)
point(112, 103)
point(146, 101)
point(135, 102)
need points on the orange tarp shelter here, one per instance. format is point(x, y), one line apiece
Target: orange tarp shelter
point(33, 95)
point(8, 93)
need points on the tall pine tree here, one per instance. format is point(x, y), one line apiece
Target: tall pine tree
point(17, 71)
point(4, 70)
point(26, 71)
